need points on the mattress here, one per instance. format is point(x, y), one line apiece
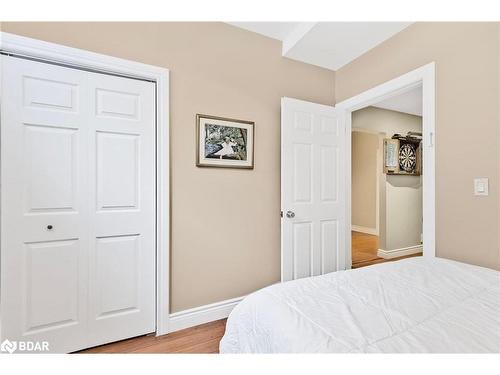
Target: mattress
point(416, 305)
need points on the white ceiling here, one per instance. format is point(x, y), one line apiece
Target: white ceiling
point(408, 102)
point(330, 45)
point(276, 30)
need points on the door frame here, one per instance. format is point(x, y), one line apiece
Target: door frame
point(426, 77)
point(15, 45)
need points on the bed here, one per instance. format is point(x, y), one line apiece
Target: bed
point(416, 305)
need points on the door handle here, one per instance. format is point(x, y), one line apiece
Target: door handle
point(290, 214)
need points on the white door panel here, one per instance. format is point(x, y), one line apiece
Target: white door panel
point(122, 168)
point(44, 168)
point(77, 153)
point(313, 147)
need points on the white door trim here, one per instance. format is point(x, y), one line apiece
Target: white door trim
point(424, 76)
point(58, 54)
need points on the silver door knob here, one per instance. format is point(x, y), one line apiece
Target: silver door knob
point(290, 214)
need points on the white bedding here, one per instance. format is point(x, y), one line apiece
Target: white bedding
point(413, 305)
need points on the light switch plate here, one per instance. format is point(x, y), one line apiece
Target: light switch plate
point(481, 186)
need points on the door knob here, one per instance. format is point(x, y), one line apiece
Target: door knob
point(290, 214)
point(49, 227)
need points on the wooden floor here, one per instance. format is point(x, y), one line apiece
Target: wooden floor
point(204, 338)
point(364, 251)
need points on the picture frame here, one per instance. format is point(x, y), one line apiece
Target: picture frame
point(224, 142)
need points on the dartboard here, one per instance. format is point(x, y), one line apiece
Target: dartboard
point(407, 157)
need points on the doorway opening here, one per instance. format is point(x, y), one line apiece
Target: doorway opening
point(386, 175)
point(422, 79)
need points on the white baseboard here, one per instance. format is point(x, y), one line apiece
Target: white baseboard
point(389, 254)
point(202, 314)
point(359, 228)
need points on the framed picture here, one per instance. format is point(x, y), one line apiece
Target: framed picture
point(224, 142)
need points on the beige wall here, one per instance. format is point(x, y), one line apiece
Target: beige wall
point(403, 212)
point(379, 120)
point(225, 223)
point(364, 149)
point(467, 62)
point(498, 127)
point(221, 70)
point(400, 197)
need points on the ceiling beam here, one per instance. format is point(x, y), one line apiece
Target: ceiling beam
point(296, 36)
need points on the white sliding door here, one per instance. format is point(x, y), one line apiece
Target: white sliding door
point(313, 147)
point(78, 206)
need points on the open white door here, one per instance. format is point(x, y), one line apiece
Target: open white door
point(313, 199)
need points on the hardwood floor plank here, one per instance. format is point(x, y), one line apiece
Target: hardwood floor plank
point(199, 339)
point(209, 347)
point(186, 343)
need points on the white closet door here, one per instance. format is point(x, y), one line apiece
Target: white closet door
point(313, 144)
point(122, 218)
point(77, 172)
point(44, 185)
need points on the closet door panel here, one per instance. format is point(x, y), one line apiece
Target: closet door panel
point(122, 231)
point(45, 204)
point(78, 206)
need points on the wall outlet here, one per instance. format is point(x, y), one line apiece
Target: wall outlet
point(481, 186)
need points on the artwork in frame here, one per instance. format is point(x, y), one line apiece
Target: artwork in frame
point(224, 142)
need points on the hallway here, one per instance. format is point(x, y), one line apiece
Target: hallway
point(364, 250)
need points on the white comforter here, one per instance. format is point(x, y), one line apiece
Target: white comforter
point(413, 305)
